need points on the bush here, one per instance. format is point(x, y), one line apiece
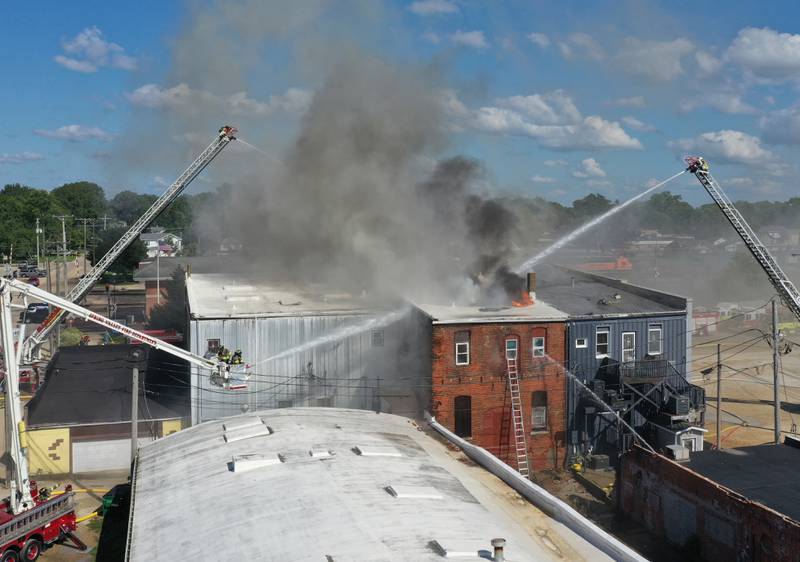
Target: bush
point(70, 336)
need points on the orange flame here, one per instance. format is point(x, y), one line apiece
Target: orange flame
point(526, 300)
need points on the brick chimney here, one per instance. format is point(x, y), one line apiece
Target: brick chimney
point(532, 286)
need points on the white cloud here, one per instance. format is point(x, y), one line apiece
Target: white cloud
point(590, 169)
point(433, 7)
point(724, 102)
point(637, 125)
point(452, 105)
point(539, 39)
point(739, 182)
point(766, 53)
point(581, 45)
point(551, 108)
point(633, 101)
point(543, 179)
point(75, 133)
point(781, 127)
point(727, 145)
point(708, 63)
point(554, 163)
point(659, 61)
point(20, 157)
point(431, 37)
point(88, 51)
point(474, 39)
point(598, 183)
point(294, 100)
point(159, 181)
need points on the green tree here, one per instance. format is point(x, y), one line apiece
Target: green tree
point(172, 313)
point(69, 336)
point(590, 206)
point(82, 199)
point(20, 206)
point(130, 258)
point(128, 206)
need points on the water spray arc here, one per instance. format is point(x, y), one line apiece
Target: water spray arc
point(560, 243)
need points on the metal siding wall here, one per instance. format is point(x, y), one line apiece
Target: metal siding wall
point(347, 370)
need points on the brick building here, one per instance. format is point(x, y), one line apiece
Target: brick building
point(469, 385)
point(730, 504)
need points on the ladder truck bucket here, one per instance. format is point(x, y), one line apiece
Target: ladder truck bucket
point(230, 377)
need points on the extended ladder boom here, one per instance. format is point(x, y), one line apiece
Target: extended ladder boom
point(225, 136)
point(783, 285)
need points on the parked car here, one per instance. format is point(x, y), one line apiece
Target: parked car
point(35, 313)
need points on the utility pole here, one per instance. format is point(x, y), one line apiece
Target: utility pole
point(775, 370)
point(63, 219)
point(719, 394)
point(85, 264)
point(38, 232)
point(135, 413)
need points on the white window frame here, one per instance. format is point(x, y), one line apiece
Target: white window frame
point(607, 332)
point(622, 347)
point(653, 328)
point(539, 350)
point(464, 351)
point(515, 350)
point(581, 343)
point(539, 413)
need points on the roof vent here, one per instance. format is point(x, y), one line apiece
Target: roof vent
point(238, 288)
point(461, 549)
point(242, 298)
point(414, 492)
point(247, 433)
point(252, 461)
point(370, 451)
point(320, 454)
point(239, 423)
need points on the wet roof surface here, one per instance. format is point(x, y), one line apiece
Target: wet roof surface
point(763, 473)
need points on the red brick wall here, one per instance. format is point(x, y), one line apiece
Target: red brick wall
point(673, 501)
point(484, 379)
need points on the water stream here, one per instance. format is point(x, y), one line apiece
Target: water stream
point(340, 333)
point(561, 242)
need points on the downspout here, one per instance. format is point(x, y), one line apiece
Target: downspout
point(542, 499)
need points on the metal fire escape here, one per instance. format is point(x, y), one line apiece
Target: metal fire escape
point(520, 440)
point(783, 285)
point(79, 291)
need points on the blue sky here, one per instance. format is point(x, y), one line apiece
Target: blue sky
point(558, 99)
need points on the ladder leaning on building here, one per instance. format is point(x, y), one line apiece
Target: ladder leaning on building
point(520, 441)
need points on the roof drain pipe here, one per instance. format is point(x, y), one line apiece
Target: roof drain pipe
point(498, 545)
point(542, 499)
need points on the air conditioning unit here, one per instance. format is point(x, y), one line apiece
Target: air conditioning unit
point(677, 452)
point(678, 405)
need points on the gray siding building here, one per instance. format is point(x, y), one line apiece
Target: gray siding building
point(372, 368)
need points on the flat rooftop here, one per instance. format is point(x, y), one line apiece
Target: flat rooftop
point(538, 312)
point(237, 296)
point(763, 473)
point(587, 295)
point(328, 484)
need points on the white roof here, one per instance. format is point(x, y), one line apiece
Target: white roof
point(303, 492)
point(227, 296)
point(454, 314)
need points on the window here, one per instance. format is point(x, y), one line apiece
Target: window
point(511, 348)
point(462, 410)
point(213, 345)
point(539, 410)
point(601, 339)
point(538, 346)
point(628, 347)
point(654, 335)
point(377, 338)
point(581, 343)
point(462, 348)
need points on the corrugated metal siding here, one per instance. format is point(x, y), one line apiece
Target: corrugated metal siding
point(584, 363)
point(345, 373)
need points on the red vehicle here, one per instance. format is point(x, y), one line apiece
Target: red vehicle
point(51, 520)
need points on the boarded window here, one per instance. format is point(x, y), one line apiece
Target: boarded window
point(654, 339)
point(462, 348)
point(463, 416)
point(377, 338)
point(539, 410)
point(212, 345)
point(602, 342)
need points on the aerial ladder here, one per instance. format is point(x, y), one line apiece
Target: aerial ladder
point(224, 137)
point(783, 285)
point(32, 518)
